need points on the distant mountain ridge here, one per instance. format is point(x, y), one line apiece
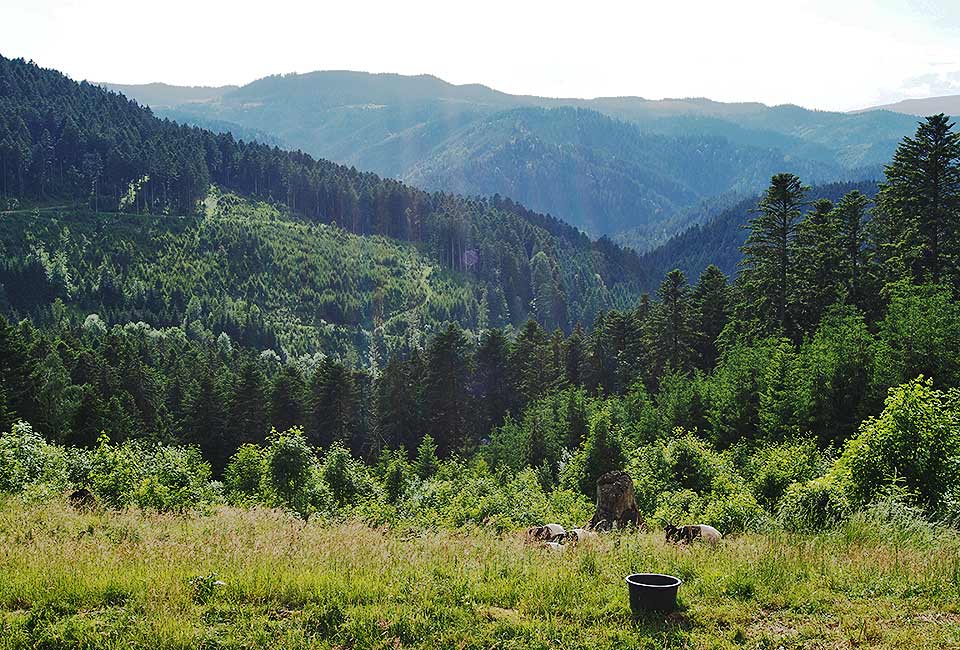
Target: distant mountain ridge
point(477, 140)
point(947, 104)
point(160, 95)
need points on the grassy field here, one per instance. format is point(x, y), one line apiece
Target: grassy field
point(136, 580)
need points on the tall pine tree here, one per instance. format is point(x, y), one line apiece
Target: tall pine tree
point(767, 273)
point(917, 217)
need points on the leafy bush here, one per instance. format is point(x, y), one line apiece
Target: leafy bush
point(115, 471)
point(815, 505)
point(471, 494)
point(773, 468)
point(346, 477)
point(678, 507)
point(178, 479)
point(692, 464)
point(293, 475)
point(158, 477)
point(602, 451)
point(734, 512)
point(651, 476)
point(26, 460)
point(244, 474)
point(916, 440)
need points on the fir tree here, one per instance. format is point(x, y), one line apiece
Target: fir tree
point(710, 301)
point(767, 272)
point(917, 221)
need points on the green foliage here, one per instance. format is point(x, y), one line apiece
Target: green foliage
point(134, 473)
point(691, 463)
point(774, 468)
point(293, 478)
point(602, 451)
point(917, 223)
point(735, 511)
point(920, 335)
point(244, 475)
point(470, 493)
point(361, 317)
point(767, 278)
point(426, 463)
point(838, 377)
point(818, 504)
point(916, 441)
point(346, 477)
point(26, 460)
point(397, 477)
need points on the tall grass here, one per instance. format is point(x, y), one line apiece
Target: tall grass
point(260, 578)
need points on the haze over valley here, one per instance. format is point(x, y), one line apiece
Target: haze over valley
point(634, 169)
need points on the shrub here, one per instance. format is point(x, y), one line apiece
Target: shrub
point(734, 512)
point(26, 461)
point(158, 477)
point(651, 476)
point(115, 471)
point(678, 507)
point(815, 505)
point(692, 464)
point(346, 477)
point(178, 479)
point(602, 451)
point(292, 474)
point(244, 474)
point(397, 478)
point(773, 468)
point(915, 439)
point(427, 463)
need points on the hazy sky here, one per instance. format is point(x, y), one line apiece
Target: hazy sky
point(831, 54)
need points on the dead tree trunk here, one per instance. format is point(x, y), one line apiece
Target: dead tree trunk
point(616, 502)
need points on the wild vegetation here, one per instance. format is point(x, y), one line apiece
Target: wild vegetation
point(250, 368)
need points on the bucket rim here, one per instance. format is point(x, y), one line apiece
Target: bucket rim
point(632, 580)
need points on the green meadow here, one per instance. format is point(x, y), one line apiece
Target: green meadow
point(261, 578)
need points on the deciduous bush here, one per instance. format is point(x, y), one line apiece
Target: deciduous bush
point(244, 474)
point(292, 473)
point(916, 440)
point(814, 505)
point(771, 469)
point(692, 463)
point(347, 477)
point(26, 461)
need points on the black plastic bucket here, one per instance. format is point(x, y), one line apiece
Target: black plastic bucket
point(652, 592)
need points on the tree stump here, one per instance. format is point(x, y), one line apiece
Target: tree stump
point(616, 502)
point(83, 499)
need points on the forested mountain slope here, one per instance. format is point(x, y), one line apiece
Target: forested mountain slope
point(266, 280)
point(719, 239)
point(609, 173)
point(60, 140)
point(471, 139)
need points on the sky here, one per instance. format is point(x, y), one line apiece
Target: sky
point(827, 54)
